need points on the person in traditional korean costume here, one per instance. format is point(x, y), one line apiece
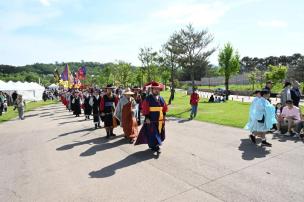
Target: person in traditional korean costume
point(77, 104)
point(95, 104)
point(107, 108)
point(263, 118)
point(249, 125)
point(154, 108)
point(138, 99)
point(87, 106)
point(125, 113)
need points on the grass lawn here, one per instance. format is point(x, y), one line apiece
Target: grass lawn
point(231, 113)
point(30, 106)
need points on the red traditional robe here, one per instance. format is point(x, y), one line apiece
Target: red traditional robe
point(129, 123)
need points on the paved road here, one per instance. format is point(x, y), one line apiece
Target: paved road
point(52, 156)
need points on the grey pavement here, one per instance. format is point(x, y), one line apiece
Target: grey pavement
point(53, 156)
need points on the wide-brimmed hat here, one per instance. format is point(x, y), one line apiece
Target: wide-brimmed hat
point(128, 92)
point(136, 88)
point(157, 85)
point(109, 86)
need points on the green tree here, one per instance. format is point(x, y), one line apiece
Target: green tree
point(229, 62)
point(123, 73)
point(252, 78)
point(148, 58)
point(193, 49)
point(169, 59)
point(276, 73)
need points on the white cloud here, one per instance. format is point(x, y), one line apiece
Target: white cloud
point(18, 19)
point(273, 24)
point(199, 14)
point(45, 2)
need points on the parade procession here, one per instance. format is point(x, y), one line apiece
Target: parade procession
point(151, 101)
point(141, 112)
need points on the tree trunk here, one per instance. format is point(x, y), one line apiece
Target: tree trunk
point(227, 87)
point(172, 86)
point(192, 78)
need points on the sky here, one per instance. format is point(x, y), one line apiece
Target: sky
point(49, 31)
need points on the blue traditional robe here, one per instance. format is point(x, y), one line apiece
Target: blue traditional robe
point(153, 134)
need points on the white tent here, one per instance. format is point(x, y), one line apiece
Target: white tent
point(53, 87)
point(30, 91)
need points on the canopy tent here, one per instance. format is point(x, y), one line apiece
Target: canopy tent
point(53, 87)
point(30, 91)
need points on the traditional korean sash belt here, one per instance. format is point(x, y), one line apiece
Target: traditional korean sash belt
point(109, 104)
point(161, 116)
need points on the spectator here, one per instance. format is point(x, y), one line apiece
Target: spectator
point(211, 99)
point(268, 87)
point(290, 117)
point(295, 94)
point(20, 105)
point(44, 96)
point(1, 102)
point(285, 94)
point(14, 96)
point(194, 99)
point(298, 128)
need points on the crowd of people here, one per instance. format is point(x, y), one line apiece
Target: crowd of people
point(285, 116)
point(50, 94)
point(125, 107)
point(15, 100)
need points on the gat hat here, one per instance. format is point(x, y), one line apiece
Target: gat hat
point(110, 86)
point(128, 92)
point(136, 88)
point(269, 81)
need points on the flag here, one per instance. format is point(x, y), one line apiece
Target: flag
point(66, 73)
point(71, 80)
point(81, 74)
point(56, 75)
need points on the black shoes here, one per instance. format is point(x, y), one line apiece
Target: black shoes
point(266, 144)
point(156, 149)
point(252, 138)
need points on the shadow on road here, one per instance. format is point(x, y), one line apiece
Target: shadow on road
point(29, 116)
point(71, 146)
point(102, 146)
point(62, 123)
point(68, 116)
point(46, 115)
point(126, 162)
point(89, 130)
point(251, 151)
point(282, 138)
point(178, 120)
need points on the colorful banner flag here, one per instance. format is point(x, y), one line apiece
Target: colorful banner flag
point(66, 73)
point(81, 74)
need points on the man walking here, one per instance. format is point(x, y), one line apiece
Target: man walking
point(154, 109)
point(194, 99)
